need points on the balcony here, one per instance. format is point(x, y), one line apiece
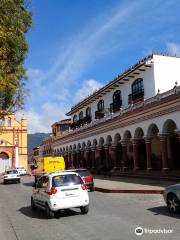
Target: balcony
point(99, 114)
point(114, 107)
point(81, 122)
point(136, 97)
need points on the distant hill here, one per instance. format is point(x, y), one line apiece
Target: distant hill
point(35, 139)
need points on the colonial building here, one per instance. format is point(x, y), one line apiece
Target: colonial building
point(13, 142)
point(58, 130)
point(132, 124)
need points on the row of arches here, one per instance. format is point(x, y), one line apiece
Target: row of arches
point(154, 149)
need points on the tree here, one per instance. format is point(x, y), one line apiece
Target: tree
point(15, 21)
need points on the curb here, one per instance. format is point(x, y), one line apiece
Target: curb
point(145, 191)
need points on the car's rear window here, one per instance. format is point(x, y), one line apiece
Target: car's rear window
point(11, 172)
point(84, 173)
point(66, 180)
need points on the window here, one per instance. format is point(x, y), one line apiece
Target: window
point(63, 127)
point(117, 98)
point(9, 122)
point(66, 180)
point(137, 87)
point(100, 105)
point(75, 118)
point(88, 112)
point(81, 115)
point(2, 120)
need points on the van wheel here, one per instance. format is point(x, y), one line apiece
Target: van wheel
point(84, 210)
point(49, 214)
point(33, 206)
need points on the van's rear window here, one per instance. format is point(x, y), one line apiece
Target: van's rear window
point(66, 180)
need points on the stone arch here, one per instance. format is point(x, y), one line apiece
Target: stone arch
point(172, 144)
point(66, 148)
point(127, 135)
point(101, 141)
point(108, 140)
point(169, 127)
point(88, 143)
point(79, 146)
point(83, 145)
point(74, 147)
point(94, 142)
point(153, 130)
point(156, 156)
point(139, 133)
point(70, 147)
point(4, 155)
point(117, 138)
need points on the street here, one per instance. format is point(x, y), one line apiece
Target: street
point(111, 217)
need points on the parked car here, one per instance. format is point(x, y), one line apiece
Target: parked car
point(87, 177)
point(172, 197)
point(11, 176)
point(21, 170)
point(60, 190)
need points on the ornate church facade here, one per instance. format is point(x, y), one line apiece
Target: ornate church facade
point(13, 142)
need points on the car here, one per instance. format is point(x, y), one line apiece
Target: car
point(58, 191)
point(21, 170)
point(11, 176)
point(171, 196)
point(86, 176)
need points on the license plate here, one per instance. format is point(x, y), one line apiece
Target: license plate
point(69, 194)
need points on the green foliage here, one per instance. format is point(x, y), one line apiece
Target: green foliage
point(15, 21)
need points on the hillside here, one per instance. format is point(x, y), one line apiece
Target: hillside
point(35, 139)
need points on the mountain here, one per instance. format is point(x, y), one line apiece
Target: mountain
point(35, 139)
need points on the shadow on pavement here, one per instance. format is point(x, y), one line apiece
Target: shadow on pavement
point(40, 214)
point(28, 184)
point(162, 210)
point(135, 180)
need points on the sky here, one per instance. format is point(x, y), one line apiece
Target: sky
point(77, 46)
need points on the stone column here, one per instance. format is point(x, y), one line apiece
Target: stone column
point(107, 157)
point(179, 135)
point(148, 153)
point(164, 153)
point(82, 158)
point(87, 157)
point(124, 155)
point(93, 149)
point(70, 159)
point(135, 154)
point(65, 155)
point(78, 158)
point(114, 157)
point(100, 163)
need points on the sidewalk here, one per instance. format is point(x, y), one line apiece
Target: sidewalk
point(130, 185)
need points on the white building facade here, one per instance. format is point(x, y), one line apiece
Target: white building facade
point(132, 124)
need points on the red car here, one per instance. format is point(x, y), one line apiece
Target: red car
point(87, 177)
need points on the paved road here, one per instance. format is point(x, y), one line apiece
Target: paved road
point(111, 217)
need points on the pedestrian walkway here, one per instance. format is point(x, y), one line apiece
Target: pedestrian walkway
point(130, 185)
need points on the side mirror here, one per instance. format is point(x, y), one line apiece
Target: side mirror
point(34, 185)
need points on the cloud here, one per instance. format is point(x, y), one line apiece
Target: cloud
point(173, 48)
point(41, 122)
point(88, 87)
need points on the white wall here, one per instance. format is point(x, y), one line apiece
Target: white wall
point(167, 72)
